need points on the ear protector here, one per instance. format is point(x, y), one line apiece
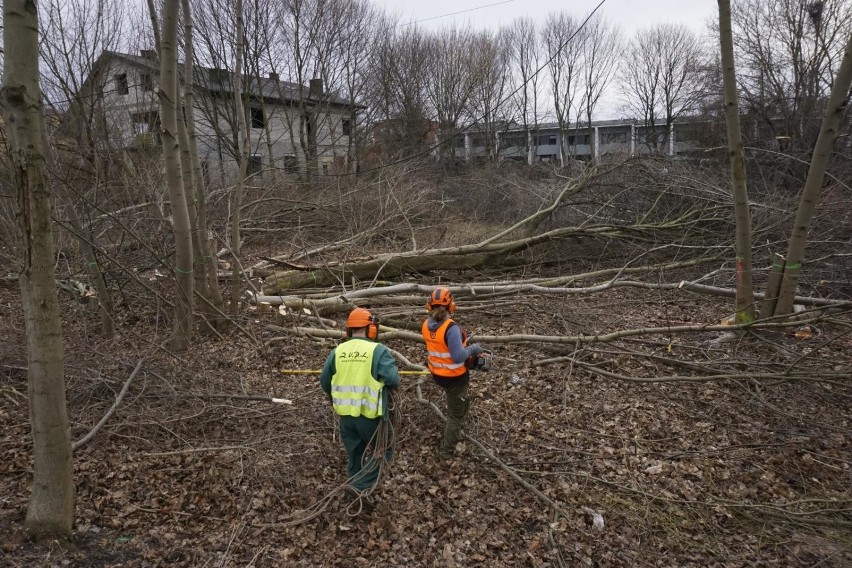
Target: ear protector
point(441, 297)
point(360, 317)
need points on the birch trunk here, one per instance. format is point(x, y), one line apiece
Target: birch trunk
point(51, 506)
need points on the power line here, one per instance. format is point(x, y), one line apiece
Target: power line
point(454, 13)
point(497, 106)
point(449, 139)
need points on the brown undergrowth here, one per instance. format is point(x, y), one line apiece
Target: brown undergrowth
point(196, 469)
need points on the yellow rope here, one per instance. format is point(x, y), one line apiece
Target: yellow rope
point(318, 371)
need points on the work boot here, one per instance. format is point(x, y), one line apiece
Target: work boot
point(443, 460)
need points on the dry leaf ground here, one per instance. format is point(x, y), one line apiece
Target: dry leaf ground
point(737, 472)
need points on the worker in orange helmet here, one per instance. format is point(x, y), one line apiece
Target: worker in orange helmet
point(449, 357)
point(355, 376)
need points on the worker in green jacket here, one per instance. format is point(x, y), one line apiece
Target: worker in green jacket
point(354, 376)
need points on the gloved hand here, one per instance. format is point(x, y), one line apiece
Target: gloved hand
point(483, 360)
point(475, 349)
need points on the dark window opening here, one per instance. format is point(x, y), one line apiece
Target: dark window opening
point(460, 141)
point(255, 165)
point(121, 84)
point(146, 126)
point(257, 118)
point(146, 82)
point(514, 140)
point(347, 127)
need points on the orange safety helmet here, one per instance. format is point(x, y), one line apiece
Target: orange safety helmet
point(361, 317)
point(441, 297)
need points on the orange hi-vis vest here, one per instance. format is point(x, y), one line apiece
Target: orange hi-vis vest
point(439, 359)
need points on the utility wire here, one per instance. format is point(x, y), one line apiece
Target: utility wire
point(499, 104)
point(453, 13)
point(507, 98)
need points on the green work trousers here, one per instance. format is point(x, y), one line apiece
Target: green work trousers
point(356, 433)
point(457, 405)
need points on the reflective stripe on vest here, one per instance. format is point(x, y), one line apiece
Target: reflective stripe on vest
point(354, 391)
point(439, 358)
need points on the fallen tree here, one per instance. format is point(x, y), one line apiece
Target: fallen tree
point(499, 249)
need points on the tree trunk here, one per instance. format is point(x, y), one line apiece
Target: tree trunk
point(813, 184)
point(207, 262)
point(745, 290)
point(168, 94)
point(51, 506)
point(243, 136)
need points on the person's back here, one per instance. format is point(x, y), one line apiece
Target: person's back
point(355, 376)
point(447, 354)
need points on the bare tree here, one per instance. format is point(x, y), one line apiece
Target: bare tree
point(788, 52)
point(600, 46)
point(74, 34)
point(526, 52)
point(396, 92)
point(564, 66)
point(364, 25)
point(245, 140)
point(660, 79)
point(449, 80)
point(491, 83)
point(745, 290)
point(51, 506)
point(207, 281)
point(828, 133)
point(169, 100)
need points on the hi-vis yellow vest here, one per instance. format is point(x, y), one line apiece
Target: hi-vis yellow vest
point(354, 391)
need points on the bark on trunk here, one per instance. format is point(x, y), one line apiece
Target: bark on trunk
point(813, 184)
point(207, 262)
point(243, 136)
point(168, 94)
point(745, 291)
point(51, 505)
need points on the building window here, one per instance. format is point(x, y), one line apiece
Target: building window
point(145, 122)
point(121, 84)
point(255, 165)
point(514, 140)
point(551, 140)
point(460, 140)
point(347, 127)
point(291, 164)
point(257, 118)
point(145, 82)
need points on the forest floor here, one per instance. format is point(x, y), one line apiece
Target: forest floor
point(728, 472)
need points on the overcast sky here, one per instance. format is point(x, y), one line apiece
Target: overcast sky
point(628, 14)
